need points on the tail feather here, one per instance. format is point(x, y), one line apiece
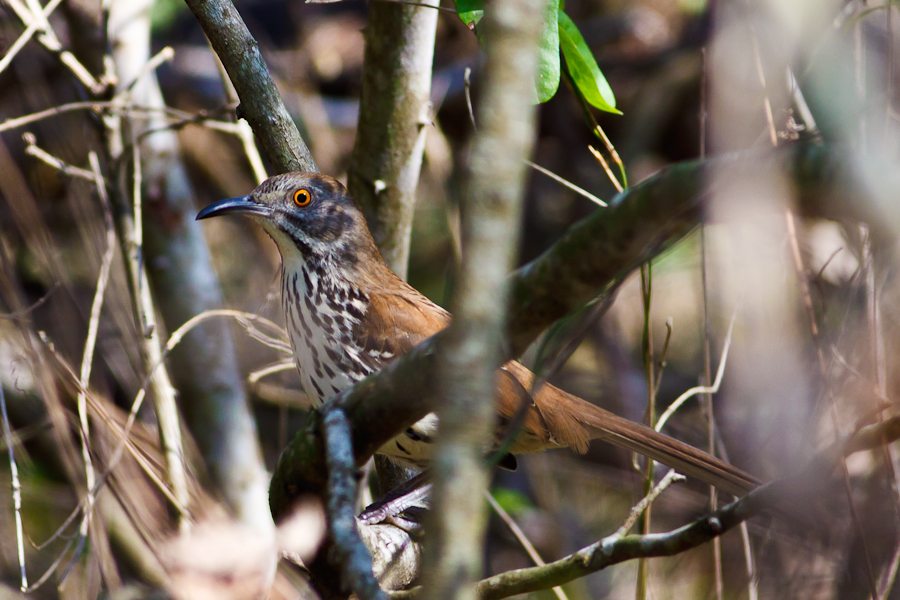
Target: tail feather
point(561, 419)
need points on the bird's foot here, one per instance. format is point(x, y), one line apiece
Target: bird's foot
point(402, 506)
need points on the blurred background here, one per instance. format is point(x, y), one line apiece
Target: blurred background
point(691, 77)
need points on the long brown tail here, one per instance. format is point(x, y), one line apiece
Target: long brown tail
point(557, 418)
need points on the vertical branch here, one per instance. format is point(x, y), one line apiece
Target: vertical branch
point(16, 489)
point(492, 202)
point(130, 67)
point(90, 341)
point(390, 139)
point(204, 367)
point(393, 119)
point(650, 417)
point(707, 362)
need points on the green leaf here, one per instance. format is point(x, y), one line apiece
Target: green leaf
point(470, 11)
point(585, 72)
point(548, 54)
point(547, 80)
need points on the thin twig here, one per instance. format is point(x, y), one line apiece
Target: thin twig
point(568, 184)
point(52, 568)
point(521, 537)
point(661, 363)
point(638, 509)
point(112, 425)
point(760, 73)
point(707, 360)
point(643, 574)
point(452, 11)
point(467, 78)
point(581, 191)
point(17, 314)
point(116, 107)
point(616, 549)
point(605, 164)
point(145, 314)
point(17, 491)
point(612, 152)
point(701, 389)
point(242, 128)
point(91, 339)
point(278, 367)
point(245, 319)
point(23, 39)
point(32, 149)
point(164, 55)
point(34, 14)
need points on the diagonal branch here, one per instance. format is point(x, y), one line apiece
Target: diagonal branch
point(651, 217)
point(260, 104)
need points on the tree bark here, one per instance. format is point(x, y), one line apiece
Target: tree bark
point(491, 210)
point(393, 117)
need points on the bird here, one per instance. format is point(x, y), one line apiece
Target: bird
point(348, 315)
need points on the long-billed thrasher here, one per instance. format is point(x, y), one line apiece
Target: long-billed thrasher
point(348, 315)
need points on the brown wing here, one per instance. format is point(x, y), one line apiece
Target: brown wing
point(395, 322)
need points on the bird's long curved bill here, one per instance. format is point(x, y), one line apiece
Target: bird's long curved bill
point(231, 206)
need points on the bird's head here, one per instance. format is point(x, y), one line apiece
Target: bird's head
point(303, 212)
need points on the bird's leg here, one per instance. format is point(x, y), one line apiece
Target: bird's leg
point(411, 494)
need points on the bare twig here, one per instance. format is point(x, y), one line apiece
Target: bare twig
point(643, 574)
point(523, 539)
point(26, 35)
point(278, 367)
point(568, 184)
point(164, 55)
point(535, 166)
point(767, 104)
point(16, 490)
point(164, 392)
point(18, 314)
point(113, 426)
point(605, 164)
point(90, 340)
point(132, 110)
point(242, 128)
point(638, 509)
point(451, 11)
point(32, 149)
point(701, 389)
point(245, 319)
point(598, 131)
point(34, 15)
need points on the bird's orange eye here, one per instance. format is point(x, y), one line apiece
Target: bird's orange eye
point(302, 197)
